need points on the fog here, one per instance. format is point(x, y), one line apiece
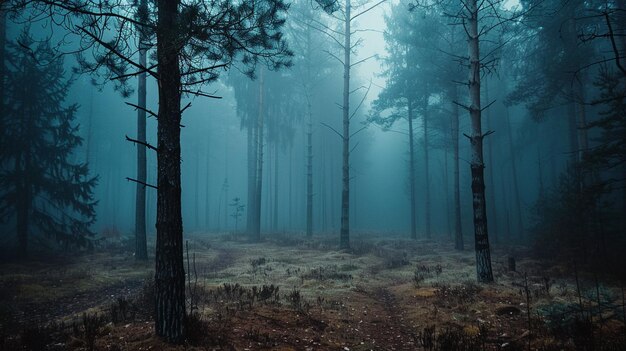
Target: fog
point(448, 157)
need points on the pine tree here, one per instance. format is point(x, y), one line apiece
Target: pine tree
point(43, 191)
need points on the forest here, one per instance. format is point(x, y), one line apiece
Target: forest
point(313, 175)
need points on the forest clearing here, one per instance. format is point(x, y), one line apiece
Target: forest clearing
point(289, 293)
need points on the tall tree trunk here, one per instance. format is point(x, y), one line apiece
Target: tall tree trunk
point(259, 164)
point(481, 234)
point(252, 165)
point(207, 197)
point(141, 249)
point(491, 190)
point(446, 182)
point(518, 201)
point(458, 230)
point(412, 172)
point(427, 169)
point(275, 219)
point(169, 271)
point(344, 239)
point(309, 174)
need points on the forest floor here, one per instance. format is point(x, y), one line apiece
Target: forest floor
point(288, 293)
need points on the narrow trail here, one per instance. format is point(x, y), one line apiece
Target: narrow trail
point(390, 328)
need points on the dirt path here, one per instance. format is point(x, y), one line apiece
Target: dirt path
point(71, 305)
point(388, 325)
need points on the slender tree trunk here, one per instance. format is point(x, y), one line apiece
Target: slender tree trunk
point(259, 163)
point(481, 234)
point(427, 169)
point(169, 271)
point(518, 201)
point(412, 172)
point(207, 196)
point(344, 242)
point(491, 190)
point(141, 249)
point(446, 182)
point(252, 168)
point(458, 230)
point(309, 174)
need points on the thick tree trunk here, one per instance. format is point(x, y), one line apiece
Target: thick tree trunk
point(141, 250)
point(412, 172)
point(344, 239)
point(309, 174)
point(169, 271)
point(458, 230)
point(481, 234)
point(259, 163)
point(427, 169)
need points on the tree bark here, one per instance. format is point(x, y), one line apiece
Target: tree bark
point(344, 239)
point(141, 250)
point(481, 234)
point(458, 230)
point(169, 271)
point(412, 172)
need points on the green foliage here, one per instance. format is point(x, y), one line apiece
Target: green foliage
point(41, 186)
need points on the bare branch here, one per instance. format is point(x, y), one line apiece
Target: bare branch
point(333, 129)
point(142, 183)
point(149, 146)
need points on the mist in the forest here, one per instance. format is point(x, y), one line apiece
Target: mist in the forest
point(443, 174)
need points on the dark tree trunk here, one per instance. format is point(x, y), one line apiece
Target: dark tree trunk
point(141, 250)
point(481, 234)
point(207, 197)
point(344, 239)
point(259, 165)
point(169, 271)
point(412, 172)
point(458, 230)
